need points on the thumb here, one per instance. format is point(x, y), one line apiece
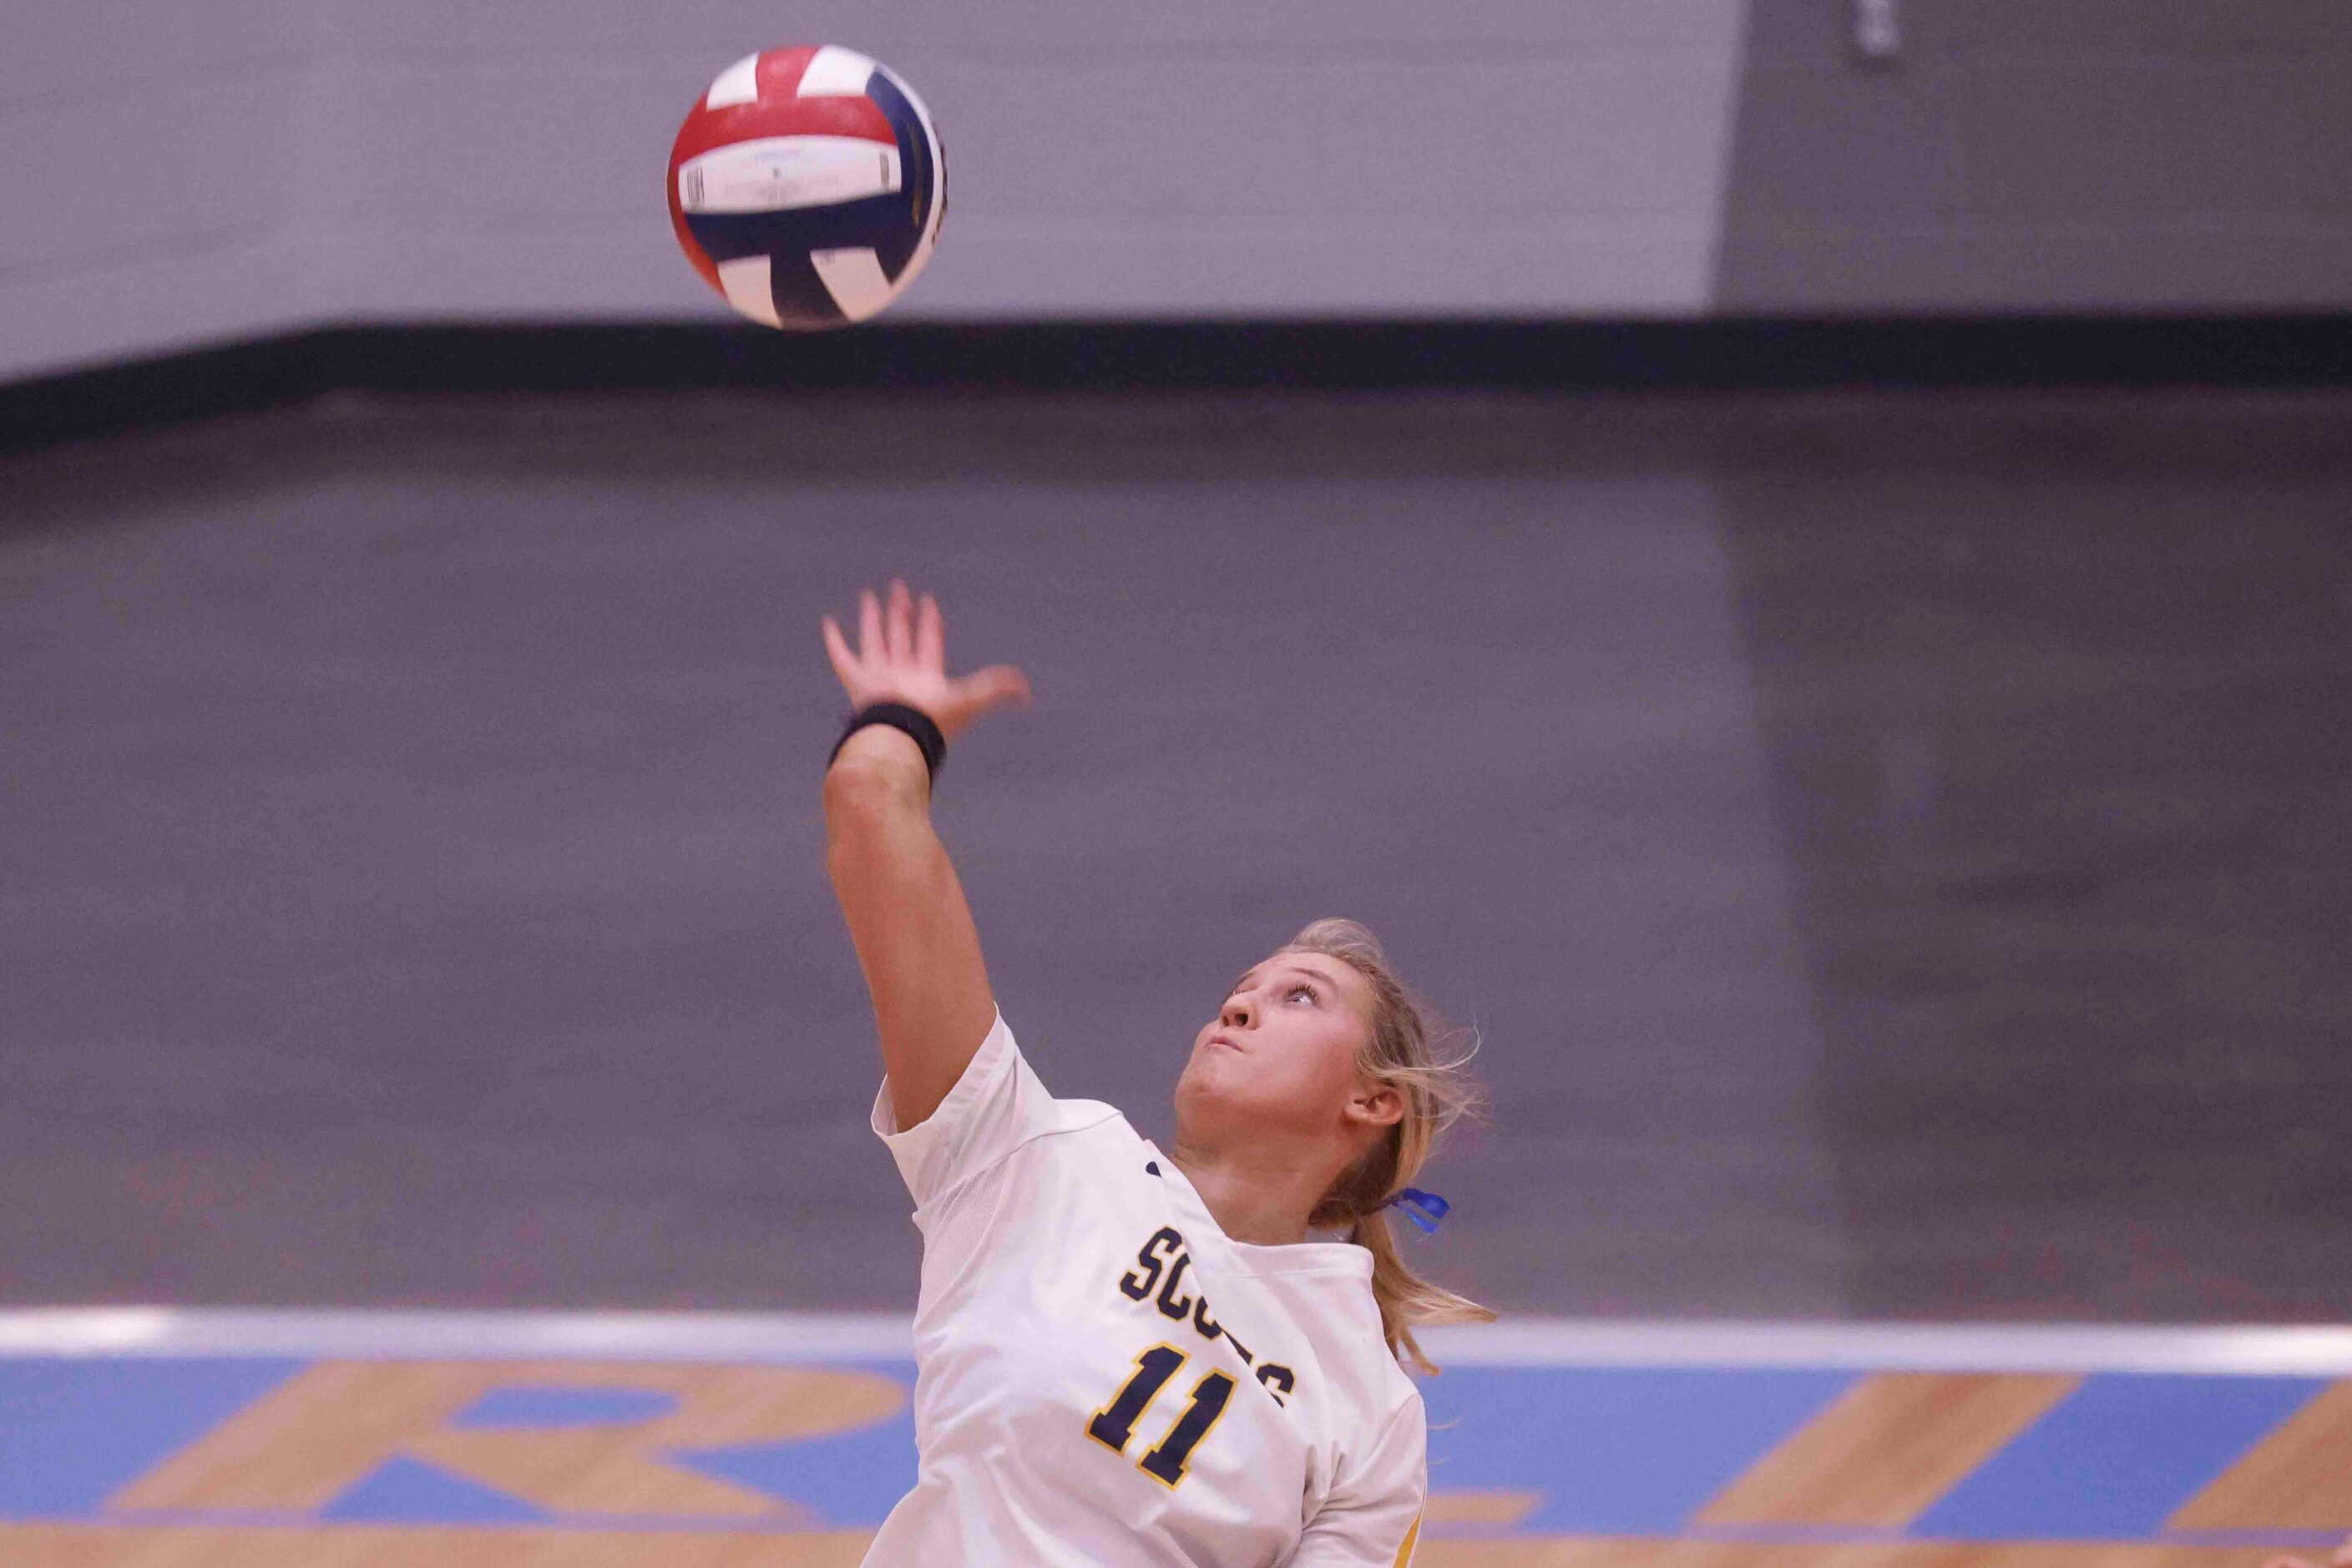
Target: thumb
point(2343, 1554)
point(994, 687)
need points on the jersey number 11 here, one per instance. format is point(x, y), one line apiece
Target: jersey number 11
point(1114, 1424)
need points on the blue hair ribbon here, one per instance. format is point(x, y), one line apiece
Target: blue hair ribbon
point(1414, 1205)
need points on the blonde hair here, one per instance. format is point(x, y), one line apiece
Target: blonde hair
point(1438, 1091)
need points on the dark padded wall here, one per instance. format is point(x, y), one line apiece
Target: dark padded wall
point(1894, 848)
point(2058, 708)
point(2101, 155)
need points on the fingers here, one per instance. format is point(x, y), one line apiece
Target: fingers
point(870, 645)
point(930, 636)
point(2343, 1554)
point(836, 648)
point(902, 614)
point(901, 634)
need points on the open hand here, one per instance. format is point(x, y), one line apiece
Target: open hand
point(902, 657)
point(2343, 1558)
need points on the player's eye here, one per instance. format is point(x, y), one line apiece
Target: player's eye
point(1301, 986)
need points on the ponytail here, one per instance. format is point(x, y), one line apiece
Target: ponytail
point(1405, 1298)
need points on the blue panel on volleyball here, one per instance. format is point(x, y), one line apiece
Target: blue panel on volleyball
point(883, 223)
point(916, 175)
point(798, 291)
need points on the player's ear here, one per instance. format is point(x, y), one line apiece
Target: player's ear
point(1376, 1104)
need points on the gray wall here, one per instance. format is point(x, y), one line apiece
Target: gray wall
point(178, 174)
point(156, 156)
point(1124, 158)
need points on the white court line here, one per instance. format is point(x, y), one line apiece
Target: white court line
point(2322, 1350)
point(363, 1334)
point(772, 1337)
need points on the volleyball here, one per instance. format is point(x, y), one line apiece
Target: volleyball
point(806, 187)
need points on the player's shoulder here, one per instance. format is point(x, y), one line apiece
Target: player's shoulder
point(1095, 1134)
point(1086, 1112)
point(1086, 1131)
point(1402, 1400)
point(1396, 1428)
point(1391, 1392)
point(1382, 1428)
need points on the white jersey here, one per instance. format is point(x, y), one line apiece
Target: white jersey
point(1080, 1403)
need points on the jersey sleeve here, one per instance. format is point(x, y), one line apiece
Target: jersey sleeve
point(994, 1107)
point(1371, 1517)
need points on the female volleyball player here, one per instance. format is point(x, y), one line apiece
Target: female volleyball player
point(1129, 1355)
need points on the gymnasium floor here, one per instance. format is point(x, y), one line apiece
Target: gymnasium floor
point(223, 1440)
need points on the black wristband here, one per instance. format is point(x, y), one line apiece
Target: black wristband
point(899, 716)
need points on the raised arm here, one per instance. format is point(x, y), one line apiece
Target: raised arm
point(905, 910)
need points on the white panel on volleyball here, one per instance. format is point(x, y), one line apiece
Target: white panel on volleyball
point(751, 288)
point(854, 280)
point(776, 174)
point(739, 83)
point(835, 72)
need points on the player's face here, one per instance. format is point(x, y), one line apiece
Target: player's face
point(1280, 1054)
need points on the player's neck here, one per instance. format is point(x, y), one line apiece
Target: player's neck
point(1255, 1196)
